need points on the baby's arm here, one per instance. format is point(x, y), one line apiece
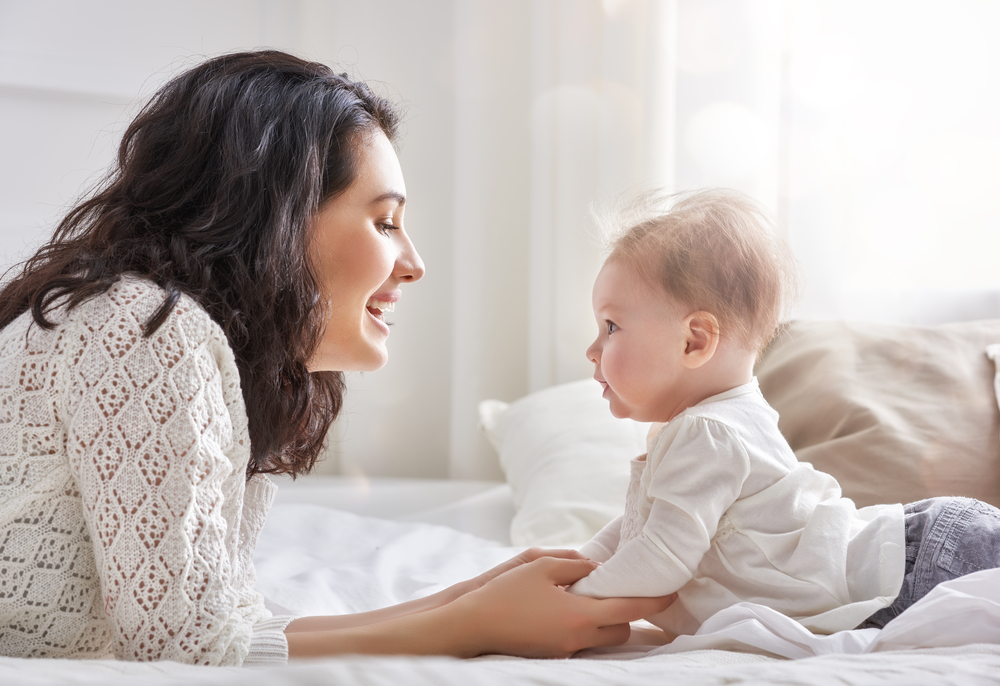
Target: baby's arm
point(698, 469)
point(604, 543)
point(645, 566)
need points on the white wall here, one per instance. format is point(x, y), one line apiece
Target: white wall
point(69, 76)
point(519, 113)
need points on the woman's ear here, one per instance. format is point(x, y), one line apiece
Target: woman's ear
point(701, 331)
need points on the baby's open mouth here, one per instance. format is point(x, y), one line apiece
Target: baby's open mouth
point(379, 307)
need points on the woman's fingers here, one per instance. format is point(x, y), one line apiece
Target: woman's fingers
point(527, 611)
point(610, 611)
point(535, 553)
point(529, 555)
point(565, 572)
point(612, 617)
point(613, 635)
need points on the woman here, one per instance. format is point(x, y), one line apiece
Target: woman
point(183, 334)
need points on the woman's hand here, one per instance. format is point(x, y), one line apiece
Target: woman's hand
point(431, 602)
point(529, 555)
point(525, 610)
point(520, 608)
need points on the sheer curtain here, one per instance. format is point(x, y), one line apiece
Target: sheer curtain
point(870, 129)
point(559, 103)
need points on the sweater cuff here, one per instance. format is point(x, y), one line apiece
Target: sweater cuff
point(268, 645)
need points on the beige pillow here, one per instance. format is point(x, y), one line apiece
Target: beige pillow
point(895, 413)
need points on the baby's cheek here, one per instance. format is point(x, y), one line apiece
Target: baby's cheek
point(629, 369)
point(611, 368)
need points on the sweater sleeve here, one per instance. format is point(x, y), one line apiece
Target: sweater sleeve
point(697, 471)
point(160, 471)
point(268, 645)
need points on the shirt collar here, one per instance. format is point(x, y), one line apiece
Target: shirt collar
point(748, 387)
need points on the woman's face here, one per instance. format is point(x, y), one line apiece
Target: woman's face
point(362, 255)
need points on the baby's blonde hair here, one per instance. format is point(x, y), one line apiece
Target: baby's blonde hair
point(717, 251)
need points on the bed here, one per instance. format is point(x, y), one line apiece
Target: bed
point(896, 413)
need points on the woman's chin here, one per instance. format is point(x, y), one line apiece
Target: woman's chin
point(375, 366)
point(370, 360)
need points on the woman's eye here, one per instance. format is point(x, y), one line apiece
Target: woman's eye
point(612, 327)
point(386, 228)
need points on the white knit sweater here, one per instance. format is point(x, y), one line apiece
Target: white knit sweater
point(127, 526)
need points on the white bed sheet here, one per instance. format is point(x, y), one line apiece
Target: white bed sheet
point(966, 666)
point(481, 508)
point(315, 559)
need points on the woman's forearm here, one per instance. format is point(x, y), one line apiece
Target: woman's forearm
point(431, 602)
point(523, 611)
point(337, 622)
point(437, 631)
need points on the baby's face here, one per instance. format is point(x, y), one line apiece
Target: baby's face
point(639, 347)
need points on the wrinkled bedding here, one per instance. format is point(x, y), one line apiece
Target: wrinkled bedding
point(313, 559)
point(944, 667)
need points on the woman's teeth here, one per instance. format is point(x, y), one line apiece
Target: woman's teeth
point(380, 307)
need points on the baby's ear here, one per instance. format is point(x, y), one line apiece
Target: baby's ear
point(701, 331)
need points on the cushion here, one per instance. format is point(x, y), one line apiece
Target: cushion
point(567, 461)
point(895, 413)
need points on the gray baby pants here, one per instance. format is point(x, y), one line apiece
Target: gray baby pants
point(945, 538)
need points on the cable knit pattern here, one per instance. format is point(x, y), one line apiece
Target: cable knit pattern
point(127, 526)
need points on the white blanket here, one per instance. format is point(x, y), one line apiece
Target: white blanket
point(312, 560)
point(365, 563)
point(960, 612)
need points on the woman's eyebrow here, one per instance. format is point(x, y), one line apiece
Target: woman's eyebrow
point(391, 195)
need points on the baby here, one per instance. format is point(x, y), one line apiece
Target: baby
point(720, 510)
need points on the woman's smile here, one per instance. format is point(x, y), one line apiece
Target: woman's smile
point(378, 305)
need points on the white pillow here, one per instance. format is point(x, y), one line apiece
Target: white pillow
point(567, 461)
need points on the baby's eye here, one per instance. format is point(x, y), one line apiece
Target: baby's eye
point(612, 327)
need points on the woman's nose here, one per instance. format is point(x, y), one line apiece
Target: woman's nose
point(409, 266)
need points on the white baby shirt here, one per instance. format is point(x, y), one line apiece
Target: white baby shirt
point(722, 512)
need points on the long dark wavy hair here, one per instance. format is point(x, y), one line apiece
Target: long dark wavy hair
point(212, 195)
